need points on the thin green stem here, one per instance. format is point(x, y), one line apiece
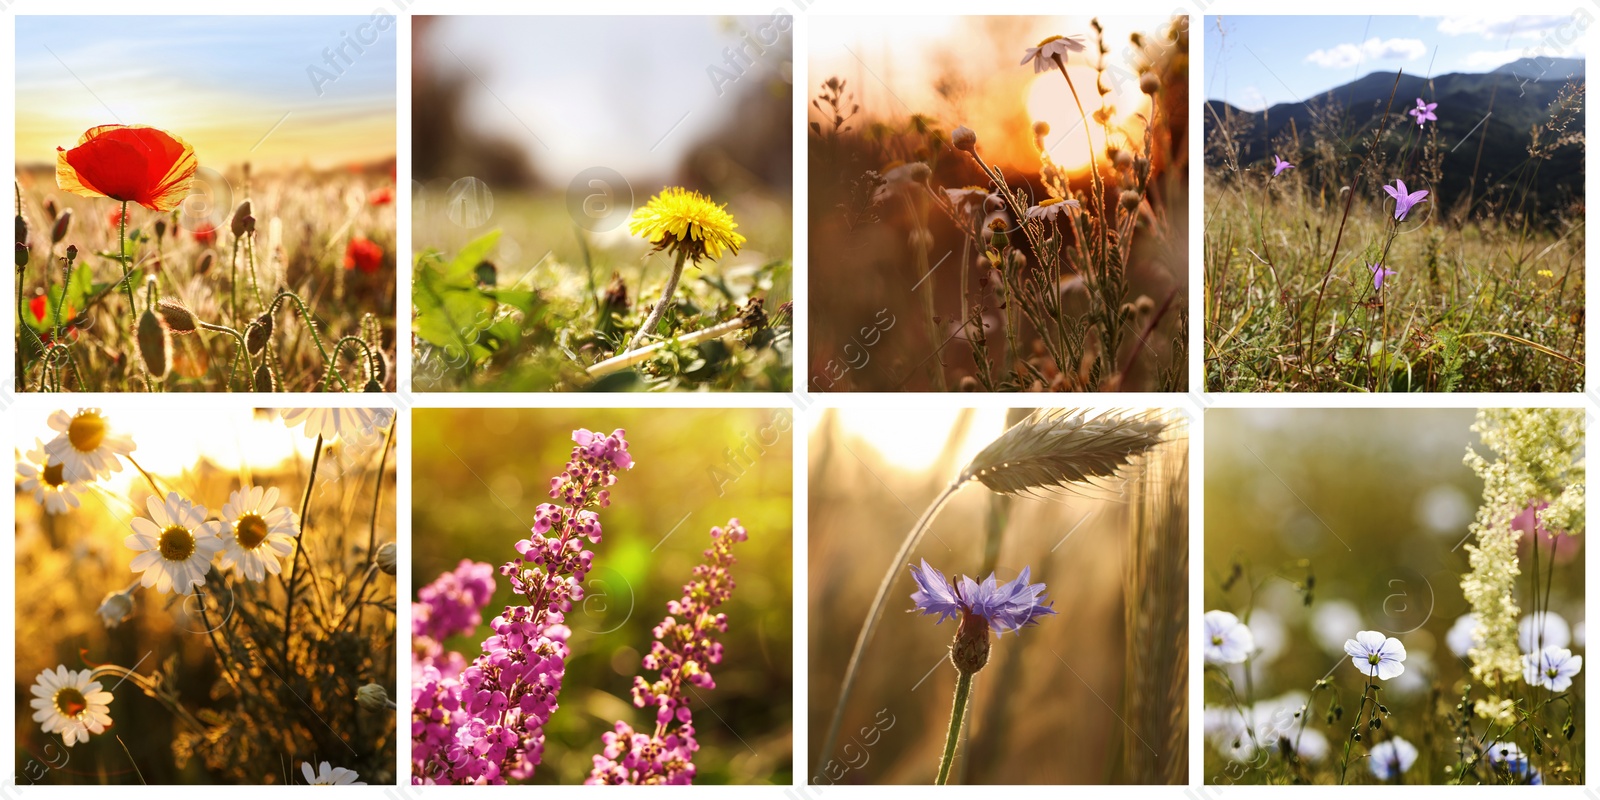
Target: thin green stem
point(243, 352)
point(958, 712)
point(875, 613)
point(299, 552)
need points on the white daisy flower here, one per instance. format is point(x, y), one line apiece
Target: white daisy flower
point(1392, 758)
point(326, 775)
point(1228, 641)
point(257, 533)
point(47, 483)
point(1552, 668)
point(355, 424)
point(86, 448)
point(1050, 208)
point(175, 545)
point(70, 703)
point(1044, 56)
point(1376, 655)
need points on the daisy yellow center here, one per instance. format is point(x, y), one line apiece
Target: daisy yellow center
point(250, 531)
point(177, 543)
point(86, 432)
point(53, 474)
point(1049, 201)
point(1374, 658)
point(1051, 39)
point(71, 702)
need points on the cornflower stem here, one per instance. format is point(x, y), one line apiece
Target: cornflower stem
point(660, 310)
point(875, 613)
point(958, 712)
point(299, 552)
point(244, 350)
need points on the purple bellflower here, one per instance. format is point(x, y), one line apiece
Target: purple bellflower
point(1424, 112)
point(1379, 272)
point(1404, 200)
point(1279, 166)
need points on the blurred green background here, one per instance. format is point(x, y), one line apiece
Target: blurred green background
point(477, 476)
point(1376, 504)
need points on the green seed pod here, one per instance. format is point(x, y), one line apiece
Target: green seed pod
point(153, 344)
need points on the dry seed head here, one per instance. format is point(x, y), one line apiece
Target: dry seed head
point(176, 315)
point(1057, 448)
point(963, 138)
point(1130, 199)
point(1149, 83)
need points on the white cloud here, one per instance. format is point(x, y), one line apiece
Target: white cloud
point(1250, 98)
point(1489, 59)
point(1502, 26)
point(1348, 55)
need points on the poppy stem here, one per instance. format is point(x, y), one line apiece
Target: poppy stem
point(244, 349)
point(127, 279)
point(958, 712)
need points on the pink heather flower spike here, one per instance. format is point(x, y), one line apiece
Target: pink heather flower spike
point(484, 722)
point(681, 655)
point(1424, 112)
point(1379, 272)
point(1403, 200)
point(1279, 166)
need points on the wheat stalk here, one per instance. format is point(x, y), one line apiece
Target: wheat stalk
point(1050, 450)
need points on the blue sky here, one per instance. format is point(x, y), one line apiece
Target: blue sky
point(220, 82)
point(1255, 62)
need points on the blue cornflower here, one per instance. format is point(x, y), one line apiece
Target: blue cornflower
point(1003, 607)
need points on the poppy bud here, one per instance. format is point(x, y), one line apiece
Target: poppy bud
point(249, 224)
point(371, 386)
point(161, 229)
point(264, 381)
point(63, 223)
point(50, 208)
point(152, 340)
point(372, 697)
point(1149, 83)
point(1041, 129)
point(178, 317)
point(963, 138)
point(72, 252)
point(258, 334)
point(22, 229)
point(239, 216)
point(22, 254)
point(204, 265)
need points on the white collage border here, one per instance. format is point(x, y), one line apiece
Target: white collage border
point(805, 405)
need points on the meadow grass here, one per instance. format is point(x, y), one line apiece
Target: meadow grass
point(1486, 294)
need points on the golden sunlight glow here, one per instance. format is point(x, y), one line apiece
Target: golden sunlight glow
point(170, 442)
point(912, 440)
point(1050, 101)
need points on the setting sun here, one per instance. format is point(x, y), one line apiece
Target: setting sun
point(1050, 101)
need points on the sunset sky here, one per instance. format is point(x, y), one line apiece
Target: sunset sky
point(895, 66)
point(224, 84)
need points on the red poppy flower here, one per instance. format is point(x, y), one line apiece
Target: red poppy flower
point(206, 235)
point(39, 306)
point(131, 163)
point(381, 196)
point(363, 254)
point(115, 218)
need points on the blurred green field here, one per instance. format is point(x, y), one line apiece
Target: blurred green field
point(479, 474)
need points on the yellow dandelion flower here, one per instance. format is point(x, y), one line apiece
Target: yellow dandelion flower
point(688, 223)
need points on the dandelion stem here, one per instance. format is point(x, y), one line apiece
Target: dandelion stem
point(299, 551)
point(660, 310)
point(875, 613)
point(958, 712)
